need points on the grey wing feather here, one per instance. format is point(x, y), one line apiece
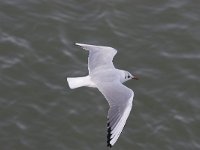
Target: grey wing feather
point(120, 99)
point(99, 56)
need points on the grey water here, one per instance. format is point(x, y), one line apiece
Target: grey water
point(159, 41)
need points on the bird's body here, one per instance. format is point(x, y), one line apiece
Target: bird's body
point(104, 76)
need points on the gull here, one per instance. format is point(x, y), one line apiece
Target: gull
point(108, 80)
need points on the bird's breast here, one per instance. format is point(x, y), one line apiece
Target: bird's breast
point(105, 76)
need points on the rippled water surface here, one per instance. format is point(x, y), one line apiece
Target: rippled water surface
point(157, 40)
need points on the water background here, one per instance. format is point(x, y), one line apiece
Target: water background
point(159, 40)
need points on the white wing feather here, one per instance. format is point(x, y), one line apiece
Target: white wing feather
point(120, 100)
point(99, 56)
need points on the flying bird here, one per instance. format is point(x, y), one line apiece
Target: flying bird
point(108, 80)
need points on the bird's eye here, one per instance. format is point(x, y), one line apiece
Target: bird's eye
point(128, 76)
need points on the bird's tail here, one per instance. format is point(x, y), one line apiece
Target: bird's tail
point(79, 82)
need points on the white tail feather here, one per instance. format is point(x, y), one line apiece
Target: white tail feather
point(79, 82)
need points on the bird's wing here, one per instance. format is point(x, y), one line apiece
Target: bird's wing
point(120, 100)
point(99, 56)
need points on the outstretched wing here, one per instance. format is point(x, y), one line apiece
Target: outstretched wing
point(120, 100)
point(99, 56)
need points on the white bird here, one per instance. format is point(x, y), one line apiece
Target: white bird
point(104, 76)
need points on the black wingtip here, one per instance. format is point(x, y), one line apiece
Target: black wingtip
point(108, 135)
point(109, 145)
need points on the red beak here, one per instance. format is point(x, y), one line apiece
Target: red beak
point(135, 78)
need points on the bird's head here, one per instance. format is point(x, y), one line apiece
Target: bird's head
point(129, 76)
